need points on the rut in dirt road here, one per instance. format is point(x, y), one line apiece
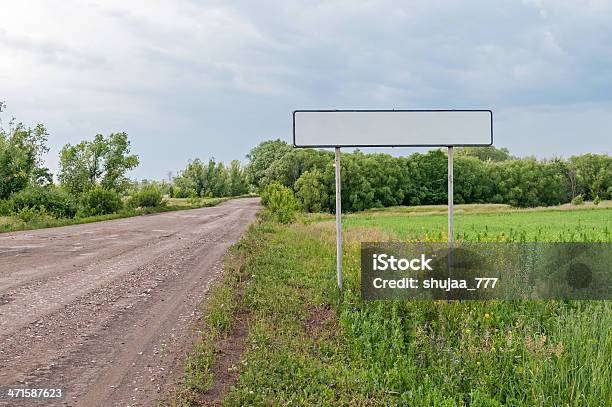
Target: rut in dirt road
point(107, 310)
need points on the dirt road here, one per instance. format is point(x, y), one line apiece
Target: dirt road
point(107, 310)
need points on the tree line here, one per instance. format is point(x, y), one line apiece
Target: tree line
point(481, 175)
point(92, 177)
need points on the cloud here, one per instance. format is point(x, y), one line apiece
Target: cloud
point(215, 77)
point(47, 52)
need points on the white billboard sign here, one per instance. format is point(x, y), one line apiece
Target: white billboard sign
point(392, 128)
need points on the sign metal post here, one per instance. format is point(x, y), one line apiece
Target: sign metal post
point(338, 222)
point(451, 226)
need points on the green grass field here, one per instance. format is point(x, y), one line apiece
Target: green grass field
point(305, 349)
point(491, 223)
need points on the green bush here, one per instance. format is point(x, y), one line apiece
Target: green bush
point(194, 201)
point(148, 197)
point(597, 200)
point(27, 214)
point(280, 201)
point(100, 201)
point(578, 200)
point(311, 192)
point(6, 207)
point(55, 201)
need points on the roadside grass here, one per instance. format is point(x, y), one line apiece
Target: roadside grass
point(305, 349)
point(225, 300)
point(13, 224)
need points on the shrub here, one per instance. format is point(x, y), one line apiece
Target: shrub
point(597, 200)
point(55, 201)
point(27, 214)
point(578, 200)
point(101, 201)
point(193, 201)
point(280, 201)
point(148, 197)
point(6, 207)
point(310, 190)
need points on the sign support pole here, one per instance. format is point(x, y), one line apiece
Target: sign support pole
point(338, 223)
point(451, 226)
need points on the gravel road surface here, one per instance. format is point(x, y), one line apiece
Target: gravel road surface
point(107, 310)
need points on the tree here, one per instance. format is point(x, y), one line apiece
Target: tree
point(293, 164)
point(471, 183)
point(357, 192)
point(429, 172)
point(101, 201)
point(184, 187)
point(117, 162)
point(280, 201)
point(210, 180)
point(262, 157)
point(485, 153)
point(593, 174)
point(310, 191)
point(481, 175)
point(218, 180)
point(21, 150)
point(102, 161)
point(191, 181)
point(237, 179)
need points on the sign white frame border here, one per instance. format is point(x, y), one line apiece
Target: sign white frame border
point(391, 111)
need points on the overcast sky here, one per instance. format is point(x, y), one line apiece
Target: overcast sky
point(204, 79)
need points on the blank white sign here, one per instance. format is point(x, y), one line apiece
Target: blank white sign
point(392, 128)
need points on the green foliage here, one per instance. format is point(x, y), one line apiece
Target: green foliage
point(310, 191)
point(597, 200)
point(21, 150)
point(164, 186)
point(237, 179)
point(429, 173)
point(210, 180)
point(528, 183)
point(261, 159)
point(6, 207)
point(484, 153)
point(28, 214)
point(578, 200)
point(482, 175)
point(102, 161)
point(54, 200)
point(292, 164)
point(185, 185)
point(593, 175)
point(149, 196)
point(280, 201)
point(100, 201)
point(12, 223)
